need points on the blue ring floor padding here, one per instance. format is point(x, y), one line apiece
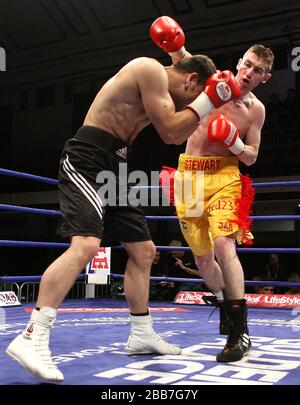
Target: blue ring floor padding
point(89, 347)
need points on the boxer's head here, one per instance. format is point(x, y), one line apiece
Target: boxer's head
point(263, 53)
point(196, 70)
point(255, 66)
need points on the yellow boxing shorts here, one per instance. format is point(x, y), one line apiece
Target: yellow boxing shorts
point(210, 201)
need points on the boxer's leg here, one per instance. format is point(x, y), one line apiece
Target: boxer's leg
point(143, 339)
point(82, 215)
point(238, 341)
point(210, 271)
point(137, 274)
point(62, 273)
point(232, 271)
point(31, 348)
point(212, 275)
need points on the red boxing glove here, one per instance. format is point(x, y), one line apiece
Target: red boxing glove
point(219, 88)
point(222, 87)
point(220, 129)
point(167, 34)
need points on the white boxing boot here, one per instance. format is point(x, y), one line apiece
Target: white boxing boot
point(144, 340)
point(31, 348)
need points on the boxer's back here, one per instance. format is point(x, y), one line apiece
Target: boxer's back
point(118, 107)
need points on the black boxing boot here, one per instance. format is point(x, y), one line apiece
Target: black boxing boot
point(224, 320)
point(224, 325)
point(238, 342)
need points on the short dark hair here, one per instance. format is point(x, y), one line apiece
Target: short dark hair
point(263, 52)
point(200, 64)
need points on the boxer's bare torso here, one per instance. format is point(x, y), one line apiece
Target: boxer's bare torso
point(242, 113)
point(144, 91)
point(118, 107)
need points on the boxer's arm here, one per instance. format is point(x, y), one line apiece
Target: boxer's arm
point(253, 135)
point(173, 127)
point(179, 55)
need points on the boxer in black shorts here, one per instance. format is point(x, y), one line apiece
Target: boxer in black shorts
point(142, 92)
point(84, 212)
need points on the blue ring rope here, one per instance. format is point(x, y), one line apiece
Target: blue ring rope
point(200, 280)
point(18, 208)
point(33, 244)
point(27, 176)
point(21, 279)
point(41, 179)
point(14, 279)
point(253, 217)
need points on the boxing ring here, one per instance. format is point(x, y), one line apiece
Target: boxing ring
point(88, 340)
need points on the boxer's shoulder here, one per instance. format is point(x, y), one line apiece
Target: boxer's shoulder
point(256, 106)
point(251, 102)
point(144, 63)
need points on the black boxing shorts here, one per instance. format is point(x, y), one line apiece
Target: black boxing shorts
point(90, 152)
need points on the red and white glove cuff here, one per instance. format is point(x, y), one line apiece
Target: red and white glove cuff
point(238, 147)
point(202, 106)
point(179, 53)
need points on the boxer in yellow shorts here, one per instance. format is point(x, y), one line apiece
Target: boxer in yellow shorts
point(219, 185)
point(228, 136)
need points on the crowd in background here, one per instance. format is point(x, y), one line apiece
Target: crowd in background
point(180, 264)
point(283, 113)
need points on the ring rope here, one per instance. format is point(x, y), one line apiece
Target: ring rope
point(12, 279)
point(18, 208)
point(253, 217)
point(28, 176)
point(32, 244)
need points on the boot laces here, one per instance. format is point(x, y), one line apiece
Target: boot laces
point(42, 348)
point(211, 300)
point(160, 340)
point(213, 311)
point(232, 341)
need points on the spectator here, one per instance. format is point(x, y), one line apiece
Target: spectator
point(267, 289)
point(273, 121)
point(293, 278)
point(171, 259)
point(274, 269)
point(274, 105)
point(273, 110)
point(158, 268)
point(174, 269)
point(117, 289)
point(176, 253)
point(186, 285)
point(289, 107)
point(159, 290)
point(256, 288)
